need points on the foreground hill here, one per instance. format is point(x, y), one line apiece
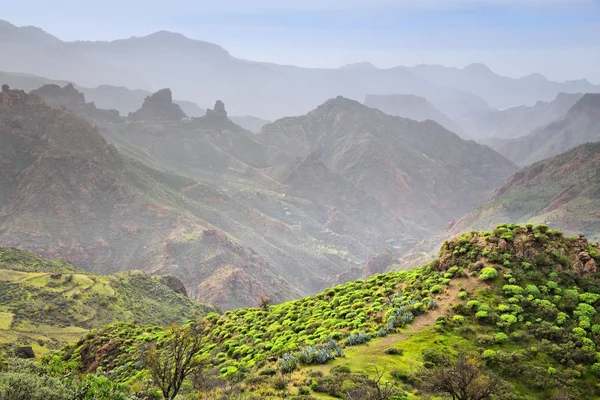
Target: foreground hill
point(563, 191)
point(523, 302)
point(580, 125)
point(422, 172)
point(46, 303)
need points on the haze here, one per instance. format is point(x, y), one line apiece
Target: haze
point(557, 38)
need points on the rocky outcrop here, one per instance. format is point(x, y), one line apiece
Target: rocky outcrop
point(69, 97)
point(158, 106)
point(218, 111)
point(378, 264)
point(174, 284)
point(56, 96)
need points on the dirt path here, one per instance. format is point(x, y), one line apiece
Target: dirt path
point(445, 301)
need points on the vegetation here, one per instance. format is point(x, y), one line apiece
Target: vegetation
point(527, 331)
point(47, 303)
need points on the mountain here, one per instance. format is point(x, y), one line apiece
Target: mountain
point(563, 191)
point(422, 172)
point(501, 91)
point(47, 303)
point(201, 72)
point(412, 107)
point(66, 192)
point(581, 124)
point(519, 302)
point(517, 121)
point(250, 123)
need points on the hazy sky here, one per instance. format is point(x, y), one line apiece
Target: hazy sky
point(559, 38)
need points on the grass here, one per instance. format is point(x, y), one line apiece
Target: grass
point(50, 308)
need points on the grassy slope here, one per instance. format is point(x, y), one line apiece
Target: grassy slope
point(539, 354)
point(47, 303)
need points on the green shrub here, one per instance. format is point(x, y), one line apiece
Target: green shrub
point(27, 386)
point(488, 354)
point(488, 273)
point(500, 338)
point(463, 295)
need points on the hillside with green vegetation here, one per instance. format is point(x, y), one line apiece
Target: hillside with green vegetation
point(47, 303)
point(516, 307)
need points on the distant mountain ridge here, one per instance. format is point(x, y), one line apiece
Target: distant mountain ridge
point(411, 107)
point(581, 124)
point(562, 191)
point(517, 121)
point(201, 71)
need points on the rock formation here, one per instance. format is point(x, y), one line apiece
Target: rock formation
point(158, 106)
point(218, 111)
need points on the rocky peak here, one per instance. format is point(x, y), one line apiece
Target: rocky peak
point(158, 106)
point(218, 111)
point(55, 95)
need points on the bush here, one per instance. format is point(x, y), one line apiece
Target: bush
point(303, 391)
point(356, 339)
point(500, 338)
point(26, 386)
point(463, 295)
point(393, 351)
point(488, 273)
point(489, 354)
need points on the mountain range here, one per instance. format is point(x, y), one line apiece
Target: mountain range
point(234, 215)
point(580, 125)
point(561, 191)
point(201, 72)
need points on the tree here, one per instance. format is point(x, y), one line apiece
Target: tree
point(176, 358)
point(265, 302)
point(376, 388)
point(462, 380)
point(5, 88)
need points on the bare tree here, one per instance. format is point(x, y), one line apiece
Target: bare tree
point(462, 380)
point(176, 358)
point(376, 388)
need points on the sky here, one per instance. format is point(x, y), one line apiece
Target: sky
point(558, 38)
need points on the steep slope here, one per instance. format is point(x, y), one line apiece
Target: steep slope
point(419, 170)
point(47, 303)
point(521, 301)
point(64, 191)
point(563, 191)
point(310, 232)
point(580, 125)
point(517, 121)
point(411, 107)
point(501, 91)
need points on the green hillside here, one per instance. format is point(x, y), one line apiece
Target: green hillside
point(46, 303)
point(522, 301)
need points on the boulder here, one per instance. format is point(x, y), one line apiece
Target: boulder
point(24, 352)
point(174, 284)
